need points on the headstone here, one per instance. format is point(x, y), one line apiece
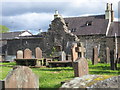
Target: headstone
point(38, 53)
point(21, 77)
point(95, 55)
point(62, 56)
point(19, 54)
point(74, 54)
point(80, 65)
point(27, 54)
point(107, 55)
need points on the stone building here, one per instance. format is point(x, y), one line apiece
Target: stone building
point(96, 30)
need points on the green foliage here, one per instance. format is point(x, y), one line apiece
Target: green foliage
point(3, 29)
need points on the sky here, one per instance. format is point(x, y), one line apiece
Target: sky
point(33, 15)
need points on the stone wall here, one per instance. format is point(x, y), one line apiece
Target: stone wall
point(90, 41)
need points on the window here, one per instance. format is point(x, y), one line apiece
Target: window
point(73, 30)
point(88, 23)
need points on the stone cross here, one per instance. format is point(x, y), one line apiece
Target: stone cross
point(21, 77)
point(38, 53)
point(80, 65)
point(19, 54)
point(27, 54)
point(95, 55)
point(81, 50)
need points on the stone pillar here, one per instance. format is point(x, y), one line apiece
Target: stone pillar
point(95, 55)
point(74, 53)
point(107, 55)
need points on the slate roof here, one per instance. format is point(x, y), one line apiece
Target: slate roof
point(114, 28)
point(89, 25)
point(10, 35)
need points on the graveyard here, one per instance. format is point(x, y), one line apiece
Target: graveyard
point(60, 74)
point(75, 52)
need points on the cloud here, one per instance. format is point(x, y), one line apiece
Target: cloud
point(36, 14)
point(32, 21)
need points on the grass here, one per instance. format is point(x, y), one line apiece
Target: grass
point(51, 77)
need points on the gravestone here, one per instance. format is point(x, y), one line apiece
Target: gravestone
point(62, 56)
point(27, 54)
point(113, 60)
point(107, 55)
point(38, 53)
point(21, 77)
point(19, 54)
point(80, 65)
point(74, 54)
point(95, 55)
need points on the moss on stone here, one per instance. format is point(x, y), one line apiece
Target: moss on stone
point(98, 78)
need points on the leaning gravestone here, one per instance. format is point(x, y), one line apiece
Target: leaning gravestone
point(21, 77)
point(95, 55)
point(107, 55)
point(38, 53)
point(27, 54)
point(74, 54)
point(19, 54)
point(80, 65)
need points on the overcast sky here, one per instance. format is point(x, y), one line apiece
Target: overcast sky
point(33, 15)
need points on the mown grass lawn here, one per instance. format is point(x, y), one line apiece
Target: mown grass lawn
point(51, 77)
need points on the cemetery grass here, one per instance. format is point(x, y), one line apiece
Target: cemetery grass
point(52, 77)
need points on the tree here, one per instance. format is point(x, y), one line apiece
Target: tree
point(3, 29)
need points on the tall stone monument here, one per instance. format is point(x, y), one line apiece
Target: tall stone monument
point(95, 55)
point(80, 65)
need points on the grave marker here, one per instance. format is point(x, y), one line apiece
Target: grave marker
point(19, 54)
point(73, 52)
point(38, 53)
point(107, 55)
point(95, 55)
point(21, 77)
point(27, 54)
point(80, 65)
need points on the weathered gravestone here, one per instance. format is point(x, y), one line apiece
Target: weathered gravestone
point(95, 55)
point(38, 53)
point(107, 55)
point(62, 56)
point(19, 54)
point(27, 54)
point(21, 77)
point(80, 65)
point(74, 54)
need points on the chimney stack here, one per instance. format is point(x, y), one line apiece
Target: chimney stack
point(109, 13)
